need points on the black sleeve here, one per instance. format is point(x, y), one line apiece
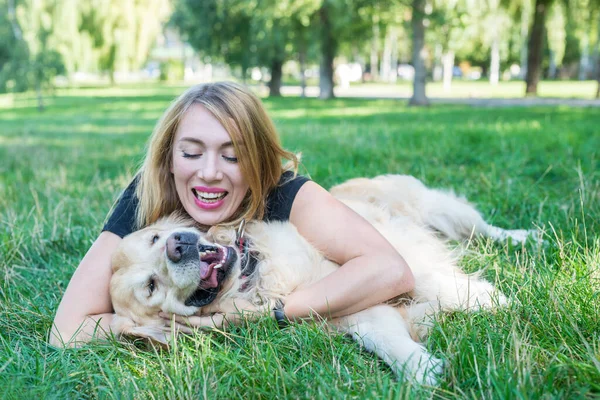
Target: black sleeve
point(122, 219)
point(280, 200)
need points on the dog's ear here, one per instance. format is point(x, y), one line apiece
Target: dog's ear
point(155, 333)
point(119, 259)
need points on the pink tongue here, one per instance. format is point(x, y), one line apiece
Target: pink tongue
point(204, 270)
point(211, 282)
point(208, 276)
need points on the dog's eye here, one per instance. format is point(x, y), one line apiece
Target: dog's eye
point(151, 285)
point(155, 238)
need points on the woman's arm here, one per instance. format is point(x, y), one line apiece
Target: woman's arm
point(371, 269)
point(85, 310)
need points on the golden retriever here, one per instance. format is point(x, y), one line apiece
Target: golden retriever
point(172, 267)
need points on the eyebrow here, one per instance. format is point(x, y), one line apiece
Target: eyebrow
point(200, 142)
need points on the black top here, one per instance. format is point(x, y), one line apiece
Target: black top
point(278, 206)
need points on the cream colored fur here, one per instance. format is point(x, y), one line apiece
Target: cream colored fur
point(416, 220)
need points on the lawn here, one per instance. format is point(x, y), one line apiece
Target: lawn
point(483, 89)
point(60, 171)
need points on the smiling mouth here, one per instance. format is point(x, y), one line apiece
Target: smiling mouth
point(207, 197)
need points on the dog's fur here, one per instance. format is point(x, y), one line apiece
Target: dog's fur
point(418, 222)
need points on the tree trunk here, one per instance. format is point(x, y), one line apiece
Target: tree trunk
point(536, 46)
point(525, 16)
point(327, 54)
point(386, 59)
point(394, 58)
point(374, 59)
point(40, 98)
point(302, 61)
point(12, 17)
point(111, 76)
point(447, 69)
point(552, 67)
point(495, 60)
point(598, 77)
point(438, 63)
point(300, 33)
point(495, 47)
point(419, 98)
point(584, 63)
point(598, 62)
point(276, 74)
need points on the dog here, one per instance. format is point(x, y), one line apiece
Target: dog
point(172, 267)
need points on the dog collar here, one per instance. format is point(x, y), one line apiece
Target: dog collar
point(248, 258)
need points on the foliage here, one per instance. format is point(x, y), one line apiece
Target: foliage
point(111, 36)
point(31, 63)
point(244, 33)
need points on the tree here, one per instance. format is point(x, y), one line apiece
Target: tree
point(328, 51)
point(246, 34)
point(536, 46)
point(449, 31)
point(419, 98)
point(32, 64)
point(121, 32)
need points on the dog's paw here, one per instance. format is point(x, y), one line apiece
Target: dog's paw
point(487, 300)
point(515, 236)
point(424, 369)
point(520, 236)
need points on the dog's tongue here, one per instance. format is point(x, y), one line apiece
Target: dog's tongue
point(208, 275)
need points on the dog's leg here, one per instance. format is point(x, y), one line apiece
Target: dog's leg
point(458, 220)
point(230, 311)
point(403, 195)
point(383, 331)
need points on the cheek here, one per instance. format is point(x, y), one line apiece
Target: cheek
point(237, 178)
point(181, 169)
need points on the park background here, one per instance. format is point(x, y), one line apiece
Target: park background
point(496, 99)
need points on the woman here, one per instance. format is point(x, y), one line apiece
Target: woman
point(215, 155)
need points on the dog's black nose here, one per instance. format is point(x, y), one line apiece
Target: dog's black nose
point(181, 243)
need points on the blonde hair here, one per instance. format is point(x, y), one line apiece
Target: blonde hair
point(254, 138)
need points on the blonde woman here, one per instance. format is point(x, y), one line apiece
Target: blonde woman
point(216, 156)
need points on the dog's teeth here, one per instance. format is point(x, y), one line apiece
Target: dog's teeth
point(218, 266)
point(202, 254)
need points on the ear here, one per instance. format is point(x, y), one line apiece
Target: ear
point(118, 260)
point(155, 333)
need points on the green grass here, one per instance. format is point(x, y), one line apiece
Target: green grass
point(61, 170)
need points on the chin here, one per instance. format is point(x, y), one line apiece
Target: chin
point(209, 218)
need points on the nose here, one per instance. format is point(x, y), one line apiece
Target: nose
point(210, 170)
point(180, 245)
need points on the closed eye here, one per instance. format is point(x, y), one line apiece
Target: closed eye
point(192, 156)
point(230, 159)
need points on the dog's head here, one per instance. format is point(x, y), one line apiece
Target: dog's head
point(169, 267)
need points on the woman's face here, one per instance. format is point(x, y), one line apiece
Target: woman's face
point(207, 175)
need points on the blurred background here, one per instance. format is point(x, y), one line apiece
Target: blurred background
point(396, 48)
